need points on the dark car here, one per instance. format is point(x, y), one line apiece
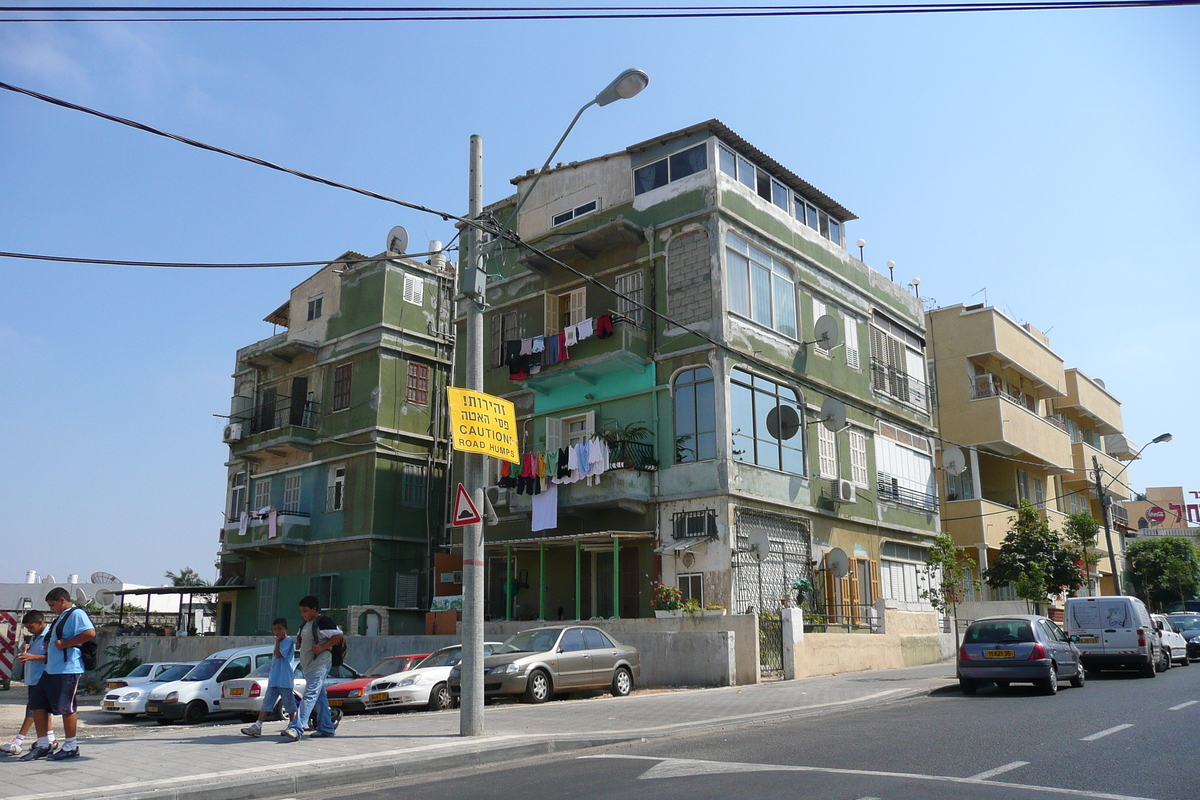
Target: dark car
point(1188, 625)
point(1017, 649)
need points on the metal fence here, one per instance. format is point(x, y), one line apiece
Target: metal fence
point(842, 618)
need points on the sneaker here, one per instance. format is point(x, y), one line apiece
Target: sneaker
point(11, 748)
point(290, 734)
point(63, 755)
point(321, 735)
point(253, 731)
point(37, 752)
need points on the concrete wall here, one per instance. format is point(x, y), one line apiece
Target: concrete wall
point(904, 639)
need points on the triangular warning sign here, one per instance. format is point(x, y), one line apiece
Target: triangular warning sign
point(465, 512)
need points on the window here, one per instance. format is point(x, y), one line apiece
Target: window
point(407, 585)
point(565, 310)
point(695, 416)
point(760, 287)
point(335, 490)
point(341, 386)
point(262, 494)
point(418, 384)
point(596, 640)
point(414, 290)
point(579, 428)
point(779, 194)
point(324, 588)
point(314, 307)
point(574, 213)
point(897, 363)
point(572, 640)
point(692, 587)
point(851, 334)
point(904, 467)
point(629, 294)
point(902, 572)
point(858, 457)
point(505, 328)
point(291, 492)
point(835, 231)
point(694, 524)
point(670, 169)
point(266, 603)
point(827, 452)
point(413, 485)
point(767, 422)
point(237, 495)
point(961, 486)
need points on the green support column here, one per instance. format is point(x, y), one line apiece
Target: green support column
point(578, 579)
point(542, 581)
point(508, 584)
point(616, 578)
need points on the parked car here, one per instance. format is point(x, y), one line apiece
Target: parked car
point(1183, 607)
point(422, 686)
point(143, 673)
point(1174, 646)
point(538, 663)
point(198, 694)
point(1017, 649)
point(244, 695)
point(1187, 624)
point(348, 695)
point(1113, 632)
point(129, 701)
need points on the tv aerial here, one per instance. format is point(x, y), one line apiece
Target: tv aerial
point(953, 461)
point(833, 414)
point(839, 562)
point(397, 240)
point(103, 577)
point(826, 333)
point(760, 545)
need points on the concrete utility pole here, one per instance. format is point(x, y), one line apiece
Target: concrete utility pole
point(1112, 558)
point(473, 283)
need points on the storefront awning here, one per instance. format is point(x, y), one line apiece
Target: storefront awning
point(683, 544)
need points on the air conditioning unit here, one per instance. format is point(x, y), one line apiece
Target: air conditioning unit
point(497, 495)
point(232, 433)
point(842, 491)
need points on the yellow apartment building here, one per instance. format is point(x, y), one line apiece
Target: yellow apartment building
point(1027, 428)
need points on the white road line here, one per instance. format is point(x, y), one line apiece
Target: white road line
point(991, 773)
point(1183, 705)
point(1105, 732)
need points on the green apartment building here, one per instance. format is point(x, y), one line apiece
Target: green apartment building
point(337, 449)
point(722, 478)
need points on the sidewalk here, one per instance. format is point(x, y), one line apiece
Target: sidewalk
point(191, 763)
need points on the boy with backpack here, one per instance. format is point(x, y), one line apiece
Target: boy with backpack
point(279, 682)
point(34, 659)
point(68, 656)
point(320, 645)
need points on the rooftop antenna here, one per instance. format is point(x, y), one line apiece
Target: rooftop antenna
point(984, 291)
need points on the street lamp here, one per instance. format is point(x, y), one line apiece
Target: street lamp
point(473, 287)
point(1104, 503)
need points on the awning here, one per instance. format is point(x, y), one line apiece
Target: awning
point(683, 544)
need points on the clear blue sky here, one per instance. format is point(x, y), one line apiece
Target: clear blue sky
point(1049, 157)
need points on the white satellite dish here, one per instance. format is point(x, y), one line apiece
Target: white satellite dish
point(397, 240)
point(81, 597)
point(826, 333)
point(953, 461)
point(103, 577)
point(783, 422)
point(833, 414)
point(839, 562)
point(760, 545)
point(49, 579)
point(105, 598)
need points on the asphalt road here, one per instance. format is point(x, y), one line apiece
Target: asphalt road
point(1118, 737)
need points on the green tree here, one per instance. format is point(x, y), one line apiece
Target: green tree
point(186, 577)
point(1083, 531)
point(1164, 568)
point(1034, 560)
point(949, 569)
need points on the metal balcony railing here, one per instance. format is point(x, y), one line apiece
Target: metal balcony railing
point(891, 490)
point(899, 385)
point(626, 454)
point(280, 412)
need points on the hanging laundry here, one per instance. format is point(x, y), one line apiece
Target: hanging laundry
point(564, 467)
point(604, 326)
point(273, 524)
point(507, 479)
point(545, 510)
point(571, 335)
point(584, 330)
point(527, 347)
point(563, 355)
point(551, 466)
point(517, 364)
point(551, 345)
point(539, 344)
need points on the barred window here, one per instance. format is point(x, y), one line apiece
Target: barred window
point(341, 386)
point(413, 484)
point(418, 384)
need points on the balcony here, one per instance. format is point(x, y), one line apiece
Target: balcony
point(974, 522)
point(581, 249)
point(281, 427)
point(990, 333)
point(891, 491)
point(899, 385)
point(997, 421)
point(291, 532)
point(594, 359)
point(274, 351)
point(1082, 454)
point(630, 489)
point(1092, 401)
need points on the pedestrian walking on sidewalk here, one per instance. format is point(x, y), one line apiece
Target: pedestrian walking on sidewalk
point(317, 637)
point(34, 659)
point(55, 690)
point(279, 681)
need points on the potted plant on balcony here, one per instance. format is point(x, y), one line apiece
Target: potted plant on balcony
point(667, 601)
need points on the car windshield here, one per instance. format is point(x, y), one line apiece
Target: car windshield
point(387, 666)
point(536, 641)
point(1185, 622)
point(999, 630)
point(443, 658)
point(262, 670)
point(140, 671)
point(205, 669)
point(175, 673)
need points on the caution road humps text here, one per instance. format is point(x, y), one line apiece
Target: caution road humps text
point(483, 424)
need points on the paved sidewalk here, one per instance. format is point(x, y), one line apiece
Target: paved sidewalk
point(216, 761)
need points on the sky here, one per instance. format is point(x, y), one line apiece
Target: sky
point(1045, 160)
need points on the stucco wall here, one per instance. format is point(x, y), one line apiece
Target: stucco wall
point(905, 639)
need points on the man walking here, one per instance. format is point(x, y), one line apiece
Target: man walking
point(55, 690)
point(317, 637)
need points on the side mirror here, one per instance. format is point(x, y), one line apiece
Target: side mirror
point(1074, 638)
point(1158, 626)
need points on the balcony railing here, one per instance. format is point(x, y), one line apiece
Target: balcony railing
point(898, 385)
point(891, 490)
point(1120, 515)
point(285, 512)
point(626, 454)
point(282, 412)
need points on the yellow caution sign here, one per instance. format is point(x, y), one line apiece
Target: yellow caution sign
point(483, 424)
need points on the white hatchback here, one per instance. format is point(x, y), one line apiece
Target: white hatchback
point(423, 686)
point(143, 673)
point(1173, 644)
point(129, 701)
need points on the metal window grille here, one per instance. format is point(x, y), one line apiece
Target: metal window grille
point(694, 524)
point(407, 585)
point(413, 485)
point(762, 584)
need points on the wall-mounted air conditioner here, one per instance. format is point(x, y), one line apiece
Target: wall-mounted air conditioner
point(232, 433)
point(843, 491)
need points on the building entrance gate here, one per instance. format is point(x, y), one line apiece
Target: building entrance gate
point(763, 585)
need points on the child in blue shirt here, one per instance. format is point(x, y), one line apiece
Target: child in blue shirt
point(280, 684)
point(34, 659)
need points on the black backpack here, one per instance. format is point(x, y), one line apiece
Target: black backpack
point(89, 651)
point(337, 653)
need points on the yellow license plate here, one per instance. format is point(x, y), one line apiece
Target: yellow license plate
point(335, 702)
point(1088, 640)
point(998, 653)
point(109, 704)
point(151, 709)
point(236, 692)
point(379, 696)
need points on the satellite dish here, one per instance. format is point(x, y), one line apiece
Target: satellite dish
point(49, 579)
point(689, 560)
point(783, 422)
point(833, 414)
point(826, 332)
point(81, 597)
point(397, 239)
point(953, 461)
point(105, 598)
point(103, 577)
point(760, 545)
point(839, 562)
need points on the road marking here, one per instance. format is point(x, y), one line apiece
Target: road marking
point(681, 767)
point(1183, 705)
point(991, 773)
point(1105, 732)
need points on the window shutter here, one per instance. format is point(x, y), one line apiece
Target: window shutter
point(874, 582)
point(554, 433)
point(578, 306)
point(879, 356)
point(830, 589)
point(711, 523)
point(406, 590)
point(551, 313)
point(818, 312)
point(414, 289)
point(851, 335)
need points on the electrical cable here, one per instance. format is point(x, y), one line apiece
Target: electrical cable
point(195, 265)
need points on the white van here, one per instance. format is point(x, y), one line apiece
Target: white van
point(1113, 632)
point(198, 693)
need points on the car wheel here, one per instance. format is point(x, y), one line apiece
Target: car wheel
point(195, 712)
point(164, 721)
point(1185, 661)
point(1164, 660)
point(968, 686)
point(1079, 678)
point(622, 682)
point(440, 699)
point(1050, 684)
point(128, 717)
point(1002, 684)
point(537, 688)
point(1149, 669)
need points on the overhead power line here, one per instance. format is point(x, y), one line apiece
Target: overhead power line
point(198, 265)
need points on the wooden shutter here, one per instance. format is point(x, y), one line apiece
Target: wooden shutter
point(554, 433)
point(874, 582)
point(551, 313)
point(577, 310)
point(830, 591)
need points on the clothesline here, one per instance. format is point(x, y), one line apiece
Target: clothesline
point(526, 357)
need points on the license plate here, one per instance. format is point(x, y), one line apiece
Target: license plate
point(151, 709)
point(379, 696)
point(109, 704)
point(998, 653)
point(236, 692)
point(1088, 640)
point(335, 702)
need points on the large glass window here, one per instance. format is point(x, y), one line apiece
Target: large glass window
point(695, 416)
point(670, 169)
point(760, 286)
point(767, 423)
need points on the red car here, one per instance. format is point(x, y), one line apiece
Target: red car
point(348, 695)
